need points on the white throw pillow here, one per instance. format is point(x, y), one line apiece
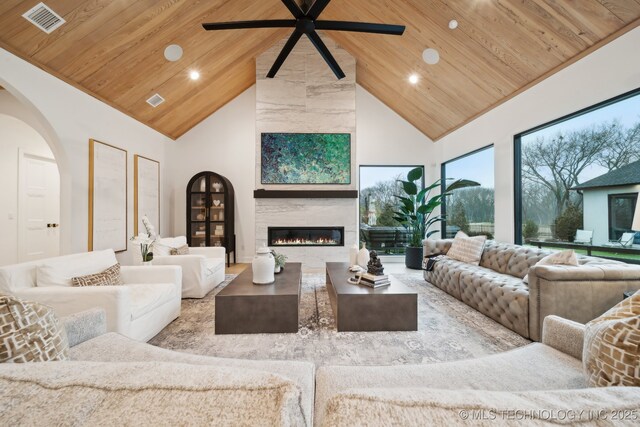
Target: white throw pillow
point(467, 249)
point(163, 246)
point(60, 271)
point(567, 257)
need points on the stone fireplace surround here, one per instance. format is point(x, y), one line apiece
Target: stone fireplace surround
point(306, 97)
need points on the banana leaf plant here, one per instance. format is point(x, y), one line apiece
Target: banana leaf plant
point(416, 211)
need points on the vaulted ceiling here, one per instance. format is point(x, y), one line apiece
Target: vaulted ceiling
point(113, 50)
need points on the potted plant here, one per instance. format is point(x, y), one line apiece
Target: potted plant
point(416, 212)
point(146, 241)
point(280, 259)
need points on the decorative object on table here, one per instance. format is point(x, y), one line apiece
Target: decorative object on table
point(374, 266)
point(353, 255)
point(145, 241)
point(356, 269)
point(363, 256)
point(213, 204)
point(146, 191)
point(280, 259)
point(263, 266)
point(370, 280)
point(416, 211)
point(287, 158)
point(107, 197)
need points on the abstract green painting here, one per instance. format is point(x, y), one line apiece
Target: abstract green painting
point(306, 158)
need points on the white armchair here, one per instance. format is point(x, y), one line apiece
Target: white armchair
point(202, 269)
point(147, 302)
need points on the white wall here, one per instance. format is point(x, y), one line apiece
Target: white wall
point(225, 143)
point(611, 70)
point(69, 118)
point(14, 136)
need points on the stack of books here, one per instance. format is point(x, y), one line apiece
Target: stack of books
point(373, 281)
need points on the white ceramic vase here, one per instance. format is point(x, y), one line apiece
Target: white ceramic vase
point(263, 266)
point(217, 186)
point(363, 257)
point(353, 255)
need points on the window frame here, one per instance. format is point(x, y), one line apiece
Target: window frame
point(517, 153)
point(443, 182)
point(610, 196)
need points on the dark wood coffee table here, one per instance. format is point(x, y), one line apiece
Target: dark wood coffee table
point(245, 308)
point(361, 308)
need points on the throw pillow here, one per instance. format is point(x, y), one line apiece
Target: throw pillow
point(467, 249)
point(611, 351)
point(109, 277)
point(567, 257)
point(182, 250)
point(30, 332)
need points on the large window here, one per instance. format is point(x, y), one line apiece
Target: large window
point(621, 210)
point(470, 209)
point(378, 187)
point(580, 173)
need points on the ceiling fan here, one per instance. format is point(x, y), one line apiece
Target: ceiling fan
point(306, 22)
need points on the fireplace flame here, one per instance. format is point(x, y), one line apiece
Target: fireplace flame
point(302, 242)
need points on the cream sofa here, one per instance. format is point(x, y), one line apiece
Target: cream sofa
point(202, 268)
point(539, 377)
point(289, 384)
point(496, 287)
point(147, 302)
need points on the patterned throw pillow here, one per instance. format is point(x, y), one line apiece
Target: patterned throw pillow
point(182, 250)
point(30, 332)
point(611, 352)
point(567, 257)
point(109, 277)
point(467, 249)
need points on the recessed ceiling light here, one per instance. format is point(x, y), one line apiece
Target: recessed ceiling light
point(173, 52)
point(453, 24)
point(413, 79)
point(194, 75)
point(430, 56)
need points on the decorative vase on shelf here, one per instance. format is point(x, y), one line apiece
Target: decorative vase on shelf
point(263, 267)
point(353, 255)
point(363, 256)
point(217, 186)
point(203, 184)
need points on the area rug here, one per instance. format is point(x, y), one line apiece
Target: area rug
point(447, 330)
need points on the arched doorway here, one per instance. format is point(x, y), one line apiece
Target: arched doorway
point(34, 183)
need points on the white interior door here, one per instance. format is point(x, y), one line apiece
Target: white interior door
point(38, 208)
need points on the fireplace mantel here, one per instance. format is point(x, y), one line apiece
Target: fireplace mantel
point(305, 194)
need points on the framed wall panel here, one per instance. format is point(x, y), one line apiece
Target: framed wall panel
point(146, 192)
point(107, 197)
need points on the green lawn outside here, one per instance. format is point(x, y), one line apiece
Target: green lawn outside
point(621, 257)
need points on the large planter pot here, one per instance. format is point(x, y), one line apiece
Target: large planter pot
point(413, 258)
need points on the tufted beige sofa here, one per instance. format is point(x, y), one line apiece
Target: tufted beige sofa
point(496, 287)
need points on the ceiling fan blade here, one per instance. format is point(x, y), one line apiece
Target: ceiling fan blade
point(293, 8)
point(360, 27)
point(286, 50)
point(267, 23)
point(328, 57)
point(316, 8)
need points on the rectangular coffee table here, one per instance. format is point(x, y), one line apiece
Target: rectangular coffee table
point(361, 308)
point(245, 308)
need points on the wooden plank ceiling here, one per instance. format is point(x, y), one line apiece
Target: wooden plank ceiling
point(113, 50)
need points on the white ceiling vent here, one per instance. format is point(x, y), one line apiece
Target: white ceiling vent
point(155, 100)
point(44, 18)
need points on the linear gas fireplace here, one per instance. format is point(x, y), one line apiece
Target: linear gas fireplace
point(306, 236)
